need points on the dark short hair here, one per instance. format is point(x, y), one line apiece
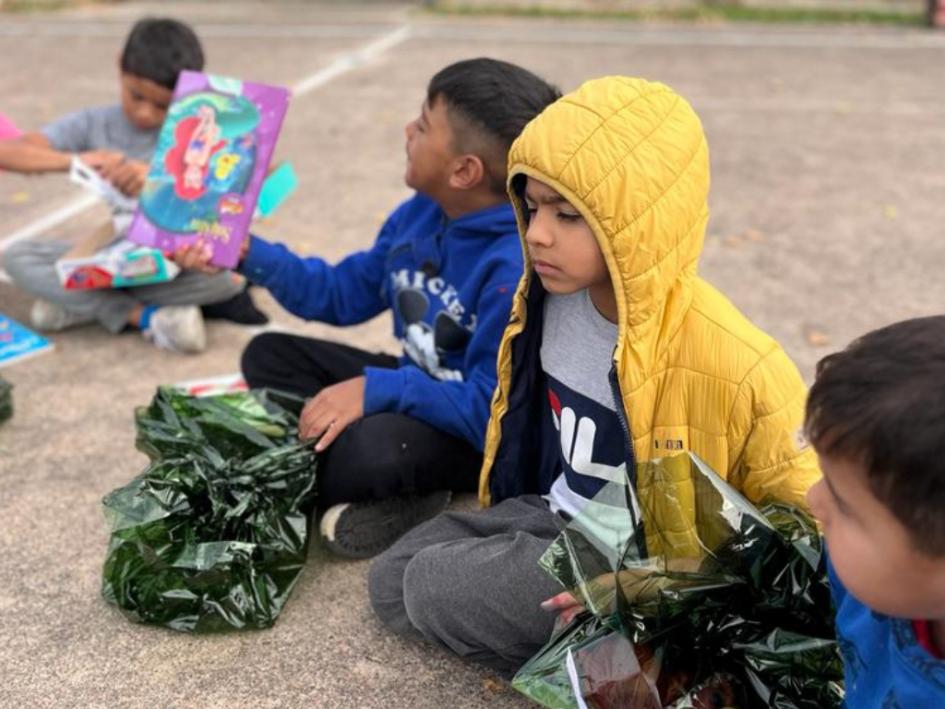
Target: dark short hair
point(881, 402)
point(489, 102)
point(158, 49)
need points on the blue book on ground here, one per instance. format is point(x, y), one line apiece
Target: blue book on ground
point(18, 342)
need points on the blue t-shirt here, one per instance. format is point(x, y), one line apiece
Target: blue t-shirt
point(884, 664)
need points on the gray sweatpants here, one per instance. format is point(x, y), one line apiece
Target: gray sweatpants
point(470, 582)
point(32, 267)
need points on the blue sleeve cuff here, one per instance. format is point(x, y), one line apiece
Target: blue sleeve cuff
point(382, 389)
point(261, 259)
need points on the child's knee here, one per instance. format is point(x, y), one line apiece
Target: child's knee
point(386, 589)
point(258, 351)
point(432, 588)
point(382, 582)
point(15, 258)
point(384, 470)
point(369, 460)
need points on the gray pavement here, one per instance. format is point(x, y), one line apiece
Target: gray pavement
point(827, 216)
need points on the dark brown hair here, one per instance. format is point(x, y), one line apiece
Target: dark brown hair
point(881, 402)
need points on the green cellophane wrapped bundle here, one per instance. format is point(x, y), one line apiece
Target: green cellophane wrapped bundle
point(694, 598)
point(214, 533)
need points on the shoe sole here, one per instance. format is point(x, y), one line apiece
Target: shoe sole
point(363, 530)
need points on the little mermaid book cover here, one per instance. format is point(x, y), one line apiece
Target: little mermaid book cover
point(209, 165)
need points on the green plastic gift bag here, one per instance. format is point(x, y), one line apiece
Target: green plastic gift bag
point(214, 533)
point(693, 597)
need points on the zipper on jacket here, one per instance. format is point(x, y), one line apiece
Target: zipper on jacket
point(631, 461)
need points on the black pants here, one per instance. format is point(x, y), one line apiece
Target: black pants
point(378, 456)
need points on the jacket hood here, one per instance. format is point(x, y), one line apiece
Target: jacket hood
point(483, 225)
point(498, 219)
point(631, 156)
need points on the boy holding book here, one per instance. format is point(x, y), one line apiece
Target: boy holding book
point(118, 141)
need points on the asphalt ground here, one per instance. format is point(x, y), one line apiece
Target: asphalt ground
point(827, 152)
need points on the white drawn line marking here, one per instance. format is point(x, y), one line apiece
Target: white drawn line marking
point(352, 60)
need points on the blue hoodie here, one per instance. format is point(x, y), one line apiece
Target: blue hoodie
point(450, 286)
point(883, 663)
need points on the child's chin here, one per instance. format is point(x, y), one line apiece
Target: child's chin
point(556, 287)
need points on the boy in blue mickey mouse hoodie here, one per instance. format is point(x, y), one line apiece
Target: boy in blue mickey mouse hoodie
point(398, 434)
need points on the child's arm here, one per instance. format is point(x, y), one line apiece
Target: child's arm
point(766, 434)
point(346, 293)
point(457, 407)
point(33, 153)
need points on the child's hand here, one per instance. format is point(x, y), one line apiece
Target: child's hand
point(332, 410)
point(128, 176)
point(244, 248)
point(101, 160)
point(195, 257)
point(640, 584)
point(565, 605)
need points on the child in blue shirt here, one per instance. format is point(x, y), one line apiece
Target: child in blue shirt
point(876, 416)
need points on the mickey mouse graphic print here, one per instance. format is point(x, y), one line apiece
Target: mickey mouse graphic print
point(435, 322)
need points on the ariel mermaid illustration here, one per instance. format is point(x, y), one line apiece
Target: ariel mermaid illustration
point(188, 161)
point(209, 164)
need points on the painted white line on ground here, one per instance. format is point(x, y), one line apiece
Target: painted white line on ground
point(351, 60)
point(53, 219)
point(341, 65)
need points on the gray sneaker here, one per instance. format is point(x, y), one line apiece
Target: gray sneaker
point(360, 530)
point(178, 328)
point(52, 317)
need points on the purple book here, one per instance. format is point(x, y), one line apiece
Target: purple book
point(209, 165)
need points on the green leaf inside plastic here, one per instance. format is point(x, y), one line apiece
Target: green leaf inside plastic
point(719, 603)
point(214, 533)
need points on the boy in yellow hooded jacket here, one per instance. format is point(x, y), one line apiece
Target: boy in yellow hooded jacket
point(616, 353)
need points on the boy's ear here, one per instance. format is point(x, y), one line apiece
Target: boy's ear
point(468, 172)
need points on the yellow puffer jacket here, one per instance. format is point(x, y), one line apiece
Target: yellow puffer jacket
point(691, 372)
